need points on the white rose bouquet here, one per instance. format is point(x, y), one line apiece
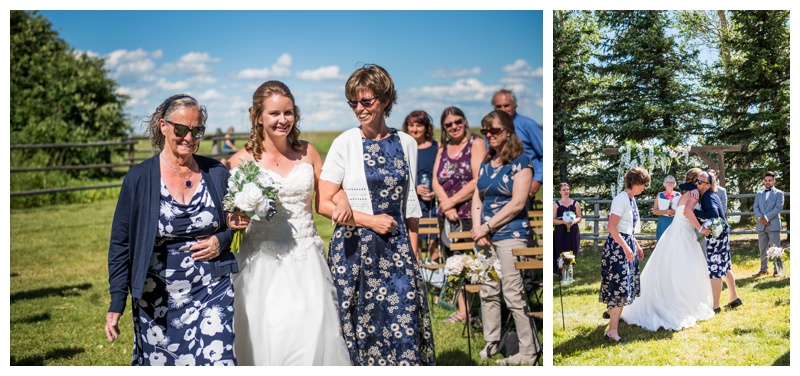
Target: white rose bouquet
point(253, 191)
point(473, 268)
point(716, 225)
point(776, 253)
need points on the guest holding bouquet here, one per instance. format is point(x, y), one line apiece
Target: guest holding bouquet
point(500, 224)
point(665, 204)
point(170, 245)
point(566, 232)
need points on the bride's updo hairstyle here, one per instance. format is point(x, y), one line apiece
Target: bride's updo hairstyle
point(691, 176)
point(266, 90)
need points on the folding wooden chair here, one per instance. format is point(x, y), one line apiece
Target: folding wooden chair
point(428, 230)
point(462, 242)
point(531, 264)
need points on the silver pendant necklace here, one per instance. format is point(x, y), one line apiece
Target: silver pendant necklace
point(188, 182)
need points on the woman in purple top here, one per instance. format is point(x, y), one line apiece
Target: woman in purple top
point(455, 181)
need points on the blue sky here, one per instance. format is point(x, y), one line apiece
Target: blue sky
point(436, 58)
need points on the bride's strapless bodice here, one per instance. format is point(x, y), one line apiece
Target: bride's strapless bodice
point(291, 230)
point(680, 219)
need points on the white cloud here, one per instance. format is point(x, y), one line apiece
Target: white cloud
point(202, 79)
point(521, 68)
point(172, 86)
point(455, 72)
point(131, 64)
point(137, 95)
point(191, 63)
point(330, 72)
point(465, 89)
point(210, 94)
point(279, 69)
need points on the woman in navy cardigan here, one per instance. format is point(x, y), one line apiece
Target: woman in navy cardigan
point(170, 247)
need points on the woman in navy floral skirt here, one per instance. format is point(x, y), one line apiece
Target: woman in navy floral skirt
point(622, 253)
point(170, 247)
point(383, 309)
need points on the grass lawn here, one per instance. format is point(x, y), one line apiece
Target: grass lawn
point(756, 333)
point(59, 292)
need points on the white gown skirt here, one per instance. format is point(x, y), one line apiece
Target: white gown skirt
point(286, 311)
point(676, 291)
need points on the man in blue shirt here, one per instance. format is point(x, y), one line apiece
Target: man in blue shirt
point(528, 131)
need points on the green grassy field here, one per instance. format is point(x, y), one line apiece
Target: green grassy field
point(756, 333)
point(59, 288)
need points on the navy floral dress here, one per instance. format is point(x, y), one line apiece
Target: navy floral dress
point(619, 284)
point(185, 316)
point(382, 307)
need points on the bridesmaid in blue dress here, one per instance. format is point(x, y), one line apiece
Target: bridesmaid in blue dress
point(383, 309)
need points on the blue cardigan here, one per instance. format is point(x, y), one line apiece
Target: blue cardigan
point(133, 232)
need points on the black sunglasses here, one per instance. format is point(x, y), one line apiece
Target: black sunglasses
point(698, 181)
point(493, 131)
point(364, 102)
point(181, 130)
point(457, 122)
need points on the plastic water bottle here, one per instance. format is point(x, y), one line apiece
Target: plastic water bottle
point(425, 180)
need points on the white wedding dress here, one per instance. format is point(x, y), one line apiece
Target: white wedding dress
point(675, 289)
point(286, 307)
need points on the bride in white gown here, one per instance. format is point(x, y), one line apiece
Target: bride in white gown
point(676, 291)
point(285, 302)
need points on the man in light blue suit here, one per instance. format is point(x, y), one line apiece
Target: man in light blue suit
point(768, 206)
point(529, 132)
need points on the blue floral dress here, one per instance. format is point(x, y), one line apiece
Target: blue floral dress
point(382, 307)
point(619, 284)
point(185, 316)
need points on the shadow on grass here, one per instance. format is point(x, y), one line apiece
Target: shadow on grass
point(453, 358)
point(39, 360)
point(770, 283)
point(782, 361)
point(32, 319)
point(50, 291)
point(596, 338)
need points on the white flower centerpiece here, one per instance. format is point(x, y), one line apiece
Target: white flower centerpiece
point(253, 191)
point(647, 156)
point(777, 254)
point(474, 268)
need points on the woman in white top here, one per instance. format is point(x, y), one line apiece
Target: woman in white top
point(619, 271)
point(382, 306)
point(665, 204)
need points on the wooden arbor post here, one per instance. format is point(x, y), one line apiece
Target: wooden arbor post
point(702, 152)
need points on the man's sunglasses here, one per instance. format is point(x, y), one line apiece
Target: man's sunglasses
point(181, 130)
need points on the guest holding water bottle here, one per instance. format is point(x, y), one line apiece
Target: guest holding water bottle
point(419, 125)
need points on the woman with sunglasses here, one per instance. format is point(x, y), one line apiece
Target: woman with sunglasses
point(454, 182)
point(500, 224)
point(382, 305)
point(170, 247)
point(286, 308)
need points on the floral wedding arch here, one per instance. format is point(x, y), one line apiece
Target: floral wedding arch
point(650, 157)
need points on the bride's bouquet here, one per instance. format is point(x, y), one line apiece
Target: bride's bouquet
point(474, 268)
point(716, 225)
point(568, 216)
point(253, 191)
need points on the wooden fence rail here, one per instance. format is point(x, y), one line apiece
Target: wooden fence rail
point(129, 143)
point(593, 215)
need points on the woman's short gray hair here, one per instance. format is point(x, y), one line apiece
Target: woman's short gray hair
point(670, 179)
